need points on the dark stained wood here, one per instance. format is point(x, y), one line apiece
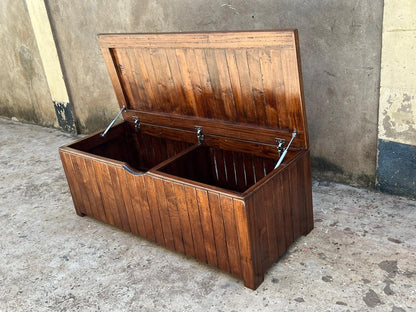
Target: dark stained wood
point(152, 194)
point(221, 202)
point(252, 85)
point(196, 223)
point(207, 230)
point(219, 231)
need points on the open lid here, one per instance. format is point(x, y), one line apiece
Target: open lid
point(243, 85)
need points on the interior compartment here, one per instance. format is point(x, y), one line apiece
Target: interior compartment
point(236, 171)
point(141, 151)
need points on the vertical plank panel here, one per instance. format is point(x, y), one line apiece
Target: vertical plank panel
point(178, 84)
point(278, 200)
point(270, 213)
point(291, 111)
point(215, 84)
point(230, 226)
point(142, 204)
point(239, 168)
point(164, 213)
point(188, 84)
point(300, 194)
point(236, 86)
point(229, 167)
point(206, 220)
point(101, 183)
point(128, 82)
point(135, 78)
point(93, 190)
point(150, 94)
point(145, 63)
point(294, 201)
point(246, 87)
point(248, 167)
point(111, 199)
point(273, 86)
point(219, 232)
point(73, 185)
point(287, 210)
point(77, 167)
point(258, 168)
point(257, 86)
point(152, 195)
point(251, 270)
point(164, 80)
point(206, 85)
point(219, 161)
point(130, 197)
point(225, 86)
point(261, 204)
point(174, 216)
point(184, 219)
point(202, 108)
point(196, 224)
point(118, 198)
point(308, 192)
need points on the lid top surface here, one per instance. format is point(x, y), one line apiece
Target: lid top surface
point(248, 78)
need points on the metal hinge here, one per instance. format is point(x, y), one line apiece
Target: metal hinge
point(136, 123)
point(283, 151)
point(114, 120)
point(199, 135)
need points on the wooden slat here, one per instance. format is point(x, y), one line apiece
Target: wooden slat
point(294, 201)
point(164, 213)
point(77, 166)
point(108, 190)
point(277, 39)
point(184, 219)
point(231, 235)
point(152, 194)
point(206, 95)
point(246, 85)
point(174, 216)
point(215, 83)
point(196, 224)
point(179, 83)
point(118, 204)
point(287, 208)
point(148, 212)
point(131, 199)
point(278, 203)
point(96, 190)
point(308, 193)
point(251, 270)
point(253, 60)
point(225, 86)
point(73, 185)
point(206, 222)
point(219, 231)
point(88, 187)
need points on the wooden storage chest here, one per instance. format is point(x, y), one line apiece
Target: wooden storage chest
point(192, 167)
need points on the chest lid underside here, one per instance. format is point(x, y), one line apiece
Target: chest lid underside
point(242, 85)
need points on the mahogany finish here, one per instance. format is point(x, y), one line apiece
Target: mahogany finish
point(220, 201)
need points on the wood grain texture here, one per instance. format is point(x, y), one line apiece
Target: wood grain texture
point(258, 83)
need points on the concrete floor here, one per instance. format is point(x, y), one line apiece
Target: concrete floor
point(360, 257)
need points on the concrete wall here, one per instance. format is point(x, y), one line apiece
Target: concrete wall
point(396, 171)
point(340, 49)
point(24, 93)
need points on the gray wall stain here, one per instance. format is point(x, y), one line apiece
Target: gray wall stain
point(396, 171)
